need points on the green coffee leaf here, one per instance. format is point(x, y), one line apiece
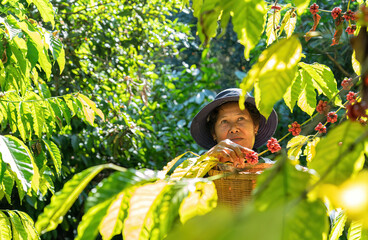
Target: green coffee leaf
point(28, 225)
point(248, 18)
point(7, 185)
point(5, 230)
point(295, 146)
point(323, 80)
point(62, 201)
point(140, 203)
point(14, 153)
point(301, 5)
point(19, 232)
point(293, 92)
point(274, 73)
point(45, 9)
point(307, 98)
point(55, 154)
point(338, 226)
point(88, 227)
point(271, 27)
point(87, 103)
point(276, 189)
point(357, 231)
point(340, 150)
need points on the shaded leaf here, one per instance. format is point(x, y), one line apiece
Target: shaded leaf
point(341, 150)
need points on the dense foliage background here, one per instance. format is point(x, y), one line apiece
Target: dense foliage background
point(149, 72)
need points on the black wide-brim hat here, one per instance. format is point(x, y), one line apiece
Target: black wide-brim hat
point(200, 130)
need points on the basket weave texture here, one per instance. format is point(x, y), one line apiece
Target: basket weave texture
point(235, 190)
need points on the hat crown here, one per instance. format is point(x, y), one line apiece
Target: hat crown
point(231, 92)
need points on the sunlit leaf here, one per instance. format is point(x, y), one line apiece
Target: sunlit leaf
point(290, 22)
point(54, 153)
point(276, 189)
point(62, 201)
point(36, 37)
point(307, 98)
point(19, 232)
point(201, 200)
point(140, 203)
point(356, 64)
point(274, 73)
point(45, 9)
point(88, 103)
point(340, 150)
point(248, 19)
point(293, 92)
point(338, 226)
point(18, 158)
point(301, 5)
point(5, 230)
point(310, 149)
point(88, 227)
point(271, 27)
point(357, 231)
point(295, 146)
point(28, 225)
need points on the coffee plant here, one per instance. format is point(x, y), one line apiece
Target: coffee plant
point(316, 189)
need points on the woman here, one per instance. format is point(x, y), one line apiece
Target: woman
point(228, 132)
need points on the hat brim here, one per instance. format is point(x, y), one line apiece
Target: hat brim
point(202, 134)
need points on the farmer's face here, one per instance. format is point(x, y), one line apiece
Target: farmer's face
point(236, 125)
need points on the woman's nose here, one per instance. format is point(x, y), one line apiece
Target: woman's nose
point(234, 128)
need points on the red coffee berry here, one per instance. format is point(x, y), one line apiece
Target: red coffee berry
point(322, 107)
point(314, 8)
point(332, 117)
point(348, 15)
point(295, 129)
point(335, 12)
point(356, 110)
point(351, 97)
point(273, 145)
point(276, 7)
point(252, 157)
point(351, 30)
point(320, 128)
point(347, 83)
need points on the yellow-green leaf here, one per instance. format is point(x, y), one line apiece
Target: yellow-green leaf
point(301, 5)
point(5, 230)
point(271, 28)
point(274, 72)
point(201, 200)
point(62, 201)
point(140, 204)
point(338, 155)
point(45, 9)
point(88, 103)
point(356, 64)
point(295, 145)
point(55, 154)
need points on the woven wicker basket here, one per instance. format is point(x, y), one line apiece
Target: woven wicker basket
point(234, 190)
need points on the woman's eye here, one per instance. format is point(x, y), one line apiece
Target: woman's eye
point(241, 118)
point(223, 121)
